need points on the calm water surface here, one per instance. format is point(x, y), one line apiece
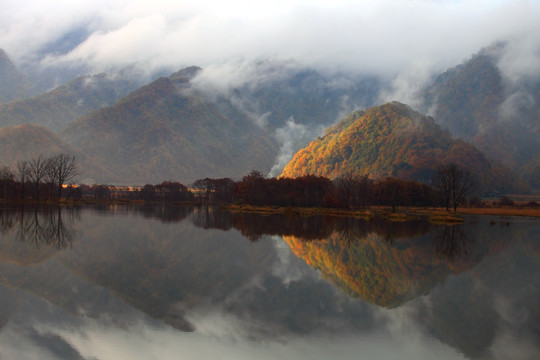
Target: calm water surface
point(156, 282)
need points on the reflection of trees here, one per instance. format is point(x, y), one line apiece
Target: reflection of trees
point(253, 226)
point(45, 226)
point(7, 221)
point(208, 217)
point(451, 242)
point(386, 263)
point(164, 212)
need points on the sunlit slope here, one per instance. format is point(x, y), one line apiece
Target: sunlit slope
point(166, 130)
point(394, 140)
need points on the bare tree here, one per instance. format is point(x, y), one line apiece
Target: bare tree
point(7, 182)
point(23, 169)
point(454, 184)
point(61, 169)
point(346, 185)
point(37, 172)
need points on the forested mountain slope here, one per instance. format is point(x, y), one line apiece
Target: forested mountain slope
point(166, 130)
point(394, 140)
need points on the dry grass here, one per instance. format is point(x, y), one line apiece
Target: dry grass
point(504, 210)
point(293, 211)
point(445, 219)
point(439, 215)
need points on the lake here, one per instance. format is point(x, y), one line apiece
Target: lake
point(177, 282)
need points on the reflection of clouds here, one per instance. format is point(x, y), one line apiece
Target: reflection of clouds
point(95, 340)
point(17, 345)
point(514, 339)
point(512, 346)
point(43, 331)
point(288, 267)
point(510, 311)
point(280, 307)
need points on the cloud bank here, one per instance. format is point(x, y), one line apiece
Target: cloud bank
point(378, 37)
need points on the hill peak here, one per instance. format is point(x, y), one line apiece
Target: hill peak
point(393, 140)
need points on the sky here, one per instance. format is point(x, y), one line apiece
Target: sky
point(383, 37)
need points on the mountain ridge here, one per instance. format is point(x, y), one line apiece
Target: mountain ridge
point(165, 130)
point(394, 140)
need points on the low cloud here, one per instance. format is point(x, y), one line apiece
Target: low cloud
point(290, 137)
point(377, 37)
point(516, 106)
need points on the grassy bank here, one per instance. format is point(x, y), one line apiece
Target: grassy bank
point(440, 215)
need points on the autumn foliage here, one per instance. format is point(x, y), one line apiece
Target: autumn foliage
point(394, 140)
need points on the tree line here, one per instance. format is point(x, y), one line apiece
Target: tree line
point(451, 187)
point(44, 178)
point(40, 178)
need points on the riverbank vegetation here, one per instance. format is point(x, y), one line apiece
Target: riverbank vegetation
point(44, 180)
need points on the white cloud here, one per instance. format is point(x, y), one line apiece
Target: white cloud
point(383, 37)
point(288, 137)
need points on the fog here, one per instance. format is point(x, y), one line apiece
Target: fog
point(378, 37)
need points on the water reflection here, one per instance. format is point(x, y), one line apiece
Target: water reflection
point(452, 242)
point(387, 290)
point(44, 226)
point(255, 226)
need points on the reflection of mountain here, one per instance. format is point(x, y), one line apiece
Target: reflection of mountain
point(145, 263)
point(390, 273)
point(130, 259)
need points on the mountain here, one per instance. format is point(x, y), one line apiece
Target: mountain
point(467, 96)
point(479, 103)
point(281, 92)
point(13, 85)
point(168, 130)
point(25, 142)
point(57, 108)
point(294, 103)
point(394, 140)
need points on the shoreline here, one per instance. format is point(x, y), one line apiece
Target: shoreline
point(436, 214)
point(402, 214)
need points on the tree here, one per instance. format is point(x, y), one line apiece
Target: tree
point(251, 188)
point(23, 170)
point(61, 169)
point(38, 169)
point(206, 186)
point(391, 192)
point(454, 184)
point(7, 183)
point(346, 185)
